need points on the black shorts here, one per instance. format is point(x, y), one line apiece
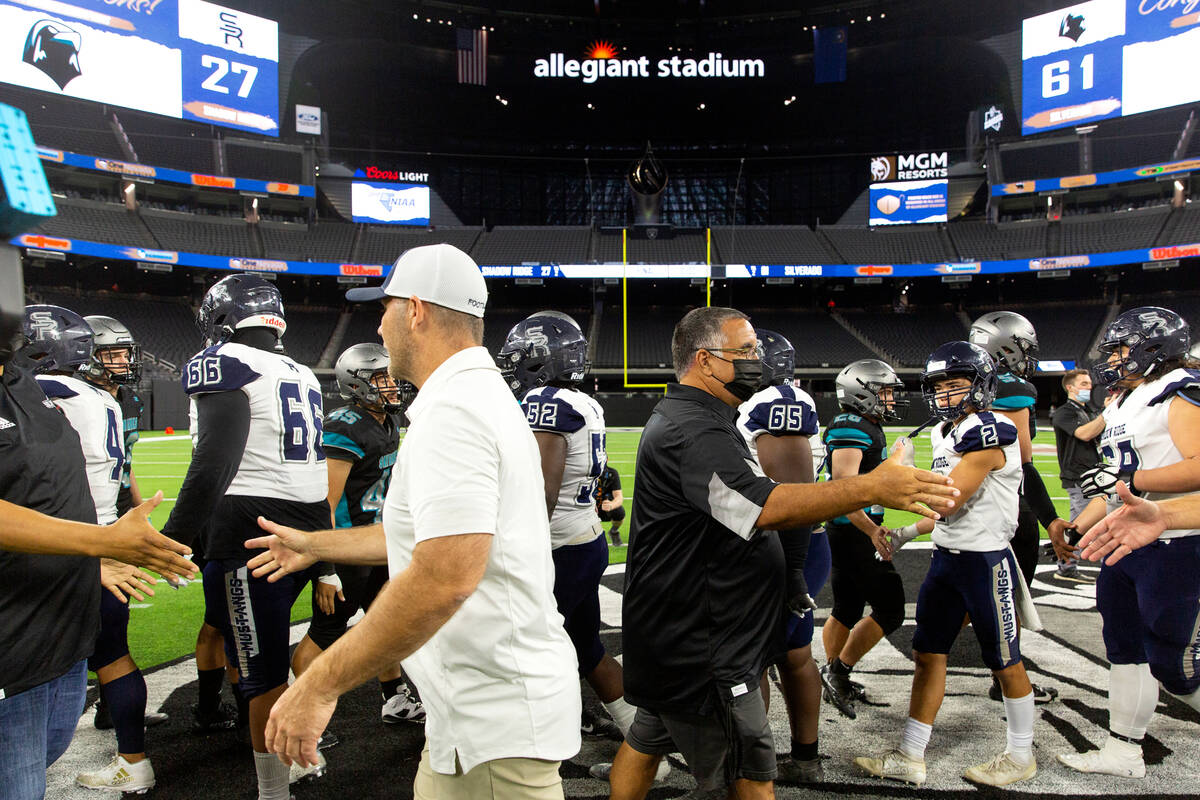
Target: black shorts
point(360, 585)
point(616, 515)
point(732, 743)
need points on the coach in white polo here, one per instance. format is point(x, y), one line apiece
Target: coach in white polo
point(469, 607)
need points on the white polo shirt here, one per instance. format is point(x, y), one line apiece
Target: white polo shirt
point(500, 678)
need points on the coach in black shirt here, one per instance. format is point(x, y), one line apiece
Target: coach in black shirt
point(704, 582)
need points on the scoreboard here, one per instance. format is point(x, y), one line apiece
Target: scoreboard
point(187, 59)
point(1108, 58)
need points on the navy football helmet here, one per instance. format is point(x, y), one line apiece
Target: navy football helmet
point(240, 301)
point(361, 370)
point(1009, 339)
point(959, 360)
point(56, 340)
point(779, 358)
point(860, 384)
point(546, 347)
point(112, 335)
point(1152, 334)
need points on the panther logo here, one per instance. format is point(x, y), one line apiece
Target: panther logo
point(53, 48)
point(1072, 27)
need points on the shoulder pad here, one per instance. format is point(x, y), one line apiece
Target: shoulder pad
point(1184, 382)
point(213, 371)
point(545, 411)
point(1014, 394)
point(55, 388)
point(983, 431)
point(788, 413)
point(848, 430)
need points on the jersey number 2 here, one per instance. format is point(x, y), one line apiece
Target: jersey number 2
point(302, 423)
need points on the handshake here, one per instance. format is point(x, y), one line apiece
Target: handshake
point(888, 540)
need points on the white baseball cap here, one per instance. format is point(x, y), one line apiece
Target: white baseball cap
point(437, 273)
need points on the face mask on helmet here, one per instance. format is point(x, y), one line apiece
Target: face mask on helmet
point(1137, 342)
point(543, 349)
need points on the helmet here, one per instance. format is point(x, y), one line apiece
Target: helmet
point(779, 358)
point(859, 386)
point(357, 366)
point(240, 301)
point(542, 348)
point(960, 360)
point(1152, 335)
point(56, 340)
point(1008, 338)
point(112, 335)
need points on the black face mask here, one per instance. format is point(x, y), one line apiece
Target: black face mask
point(747, 376)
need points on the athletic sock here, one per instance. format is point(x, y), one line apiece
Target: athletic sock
point(391, 688)
point(839, 667)
point(272, 776)
point(915, 739)
point(1132, 696)
point(1019, 711)
point(126, 701)
point(622, 714)
point(211, 681)
point(804, 752)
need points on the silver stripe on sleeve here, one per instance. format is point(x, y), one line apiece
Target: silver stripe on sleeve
point(730, 508)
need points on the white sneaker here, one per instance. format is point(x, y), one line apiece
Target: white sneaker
point(603, 770)
point(1001, 771)
point(120, 774)
point(895, 766)
point(402, 707)
point(299, 773)
point(1122, 759)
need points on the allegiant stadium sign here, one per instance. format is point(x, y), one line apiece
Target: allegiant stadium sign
point(590, 70)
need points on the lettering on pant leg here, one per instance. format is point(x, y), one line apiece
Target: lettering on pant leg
point(1002, 601)
point(241, 617)
point(1191, 653)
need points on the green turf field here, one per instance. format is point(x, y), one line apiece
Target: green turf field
point(165, 627)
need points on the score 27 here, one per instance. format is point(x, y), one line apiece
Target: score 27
point(222, 67)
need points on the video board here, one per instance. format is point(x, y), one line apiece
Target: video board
point(1107, 58)
point(187, 59)
point(389, 203)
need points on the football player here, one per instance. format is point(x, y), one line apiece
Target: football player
point(1012, 343)
point(258, 452)
point(1147, 600)
point(543, 360)
point(778, 423)
point(867, 394)
point(973, 571)
point(96, 416)
point(360, 440)
point(116, 367)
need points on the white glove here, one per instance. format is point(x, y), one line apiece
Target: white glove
point(909, 458)
point(902, 536)
point(1101, 481)
point(333, 580)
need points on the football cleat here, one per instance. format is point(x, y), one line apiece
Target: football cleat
point(328, 739)
point(120, 775)
point(839, 691)
point(602, 771)
point(402, 707)
point(297, 773)
point(894, 766)
point(1041, 694)
point(221, 718)
point(591, 724)
point(1001, 771)
point(792, 771)
point(1122, 759)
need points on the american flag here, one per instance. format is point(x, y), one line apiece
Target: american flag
point(472, 56)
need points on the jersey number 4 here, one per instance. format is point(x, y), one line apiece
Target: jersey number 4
point(302, 423)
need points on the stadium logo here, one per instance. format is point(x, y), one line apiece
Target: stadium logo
point(50, 154)
point(910, 167)
point(44, 242)
point(377, 174)
point(1176, 251)
point(213, 181)
point(258, 265)
point(283, 188)
point(968, 268)
point(361, 270)
point(993, 119)
point(53, 48)
point(1071, 27)
point(125, 168)
point(1145, 172)
point(603, 63)
point(873, 270)
point(160, 256)
point(1063, 262)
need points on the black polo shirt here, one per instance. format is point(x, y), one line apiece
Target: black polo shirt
point(1074, 456)
point(704, 588)
point(49, 605)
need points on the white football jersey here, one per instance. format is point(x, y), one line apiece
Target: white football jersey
point(782, 411)
point(1135, 431)
point(283, 458)
point(988, 520)
point(579, 418)
point(96, 416)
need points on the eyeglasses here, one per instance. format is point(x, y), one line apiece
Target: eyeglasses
point(749, 351)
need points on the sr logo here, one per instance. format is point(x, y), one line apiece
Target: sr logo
point(42, 325)
point(538, 343)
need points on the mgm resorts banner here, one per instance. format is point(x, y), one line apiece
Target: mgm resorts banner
point(908, 202)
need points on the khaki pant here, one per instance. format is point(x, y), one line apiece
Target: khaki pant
point(502, 779)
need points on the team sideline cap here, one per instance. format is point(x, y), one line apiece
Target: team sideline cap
point(437, 273)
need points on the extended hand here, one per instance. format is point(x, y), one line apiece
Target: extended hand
point(1057, 531)
point(1135, 524)
point(297, 720)
point(133, 540)
point(908, 489)
point(326, 590)
point(883, 547)
point(124, 580)
point(287, 551)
